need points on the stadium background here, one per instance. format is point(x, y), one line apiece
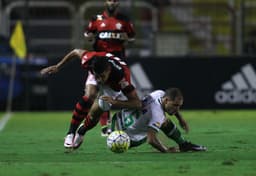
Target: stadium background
point(207, 48)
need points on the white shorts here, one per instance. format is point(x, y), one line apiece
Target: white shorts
point(103, 89)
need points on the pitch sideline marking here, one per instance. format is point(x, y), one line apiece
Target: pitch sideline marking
point(4, 120)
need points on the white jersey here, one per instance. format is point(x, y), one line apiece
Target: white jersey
point(136, 123)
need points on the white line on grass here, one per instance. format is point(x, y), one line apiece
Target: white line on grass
point(4, 120)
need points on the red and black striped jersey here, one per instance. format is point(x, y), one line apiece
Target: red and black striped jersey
point(120, 76)
point(110, 32)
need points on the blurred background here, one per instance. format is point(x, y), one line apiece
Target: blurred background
point(205, 47)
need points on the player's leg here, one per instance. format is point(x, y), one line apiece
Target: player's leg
point(94, 115)
point(105, 130)
point(80, 111)
point(92, 92)
point(105, 117)
point(90, 122)
point(91, 119)
point(118, 123)
point(172, 132)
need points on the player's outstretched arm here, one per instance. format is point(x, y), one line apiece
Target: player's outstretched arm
point(132, 101)
point(157, 144)
point(55, 68)
point(184, 125)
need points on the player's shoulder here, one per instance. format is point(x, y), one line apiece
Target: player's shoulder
point(91, 54)
point(122, 16)
point(157, 93)
point(97, 17)
point(153, 97)
point(88, 55)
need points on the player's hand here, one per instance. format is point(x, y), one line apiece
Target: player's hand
point(173, 150)
point(124, 36)
point(184, 125)
point(49, 70)
point(89, 36)
point(107, 99)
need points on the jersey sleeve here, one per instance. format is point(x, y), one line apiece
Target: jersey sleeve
point(125, 83)
point(88, 55)
point(130, 30)
point(85, 59)
point(157, 118)
point(91, 25)
point(128, 89)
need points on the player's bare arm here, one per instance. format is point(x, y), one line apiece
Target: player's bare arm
point(184, 125)
point(76, 53)
point(157, 144)
point(127, 38)
point(132, 101)
point(89, 36)
point(124, 36)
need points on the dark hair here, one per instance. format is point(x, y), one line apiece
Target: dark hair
point(98, 64)
point(173, 93)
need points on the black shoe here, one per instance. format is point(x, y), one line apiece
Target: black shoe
point(188, 146)
point(105, 131)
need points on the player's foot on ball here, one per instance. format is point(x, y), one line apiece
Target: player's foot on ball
point(188, 146)
point(78, 141)
point(68, 141)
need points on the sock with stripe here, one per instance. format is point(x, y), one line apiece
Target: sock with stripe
point(80, 112)
point(104, 119)
point(172, 132)
point(89, 123)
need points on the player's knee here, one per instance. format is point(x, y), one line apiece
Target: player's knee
point(95, 110)
point(84, 102)
point(91, 96)
point(91, 91)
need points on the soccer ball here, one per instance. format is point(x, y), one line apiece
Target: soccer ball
point(118, 141)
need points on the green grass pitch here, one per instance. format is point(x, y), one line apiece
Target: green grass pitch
point(31, 144)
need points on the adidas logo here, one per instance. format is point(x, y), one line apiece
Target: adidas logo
point(240, 89)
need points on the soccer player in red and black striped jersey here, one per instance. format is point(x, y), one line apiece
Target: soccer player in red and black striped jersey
point(109, 30)
point(112, 77)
